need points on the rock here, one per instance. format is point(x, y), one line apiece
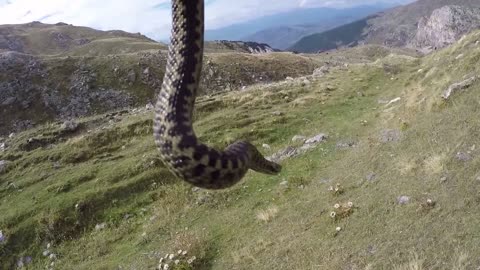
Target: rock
point(330, 88)
point(146, 71)
point(149, 106)
point(371, 176)
point(266, 146)
point(395, 100)
point(305, 82)
point(203, 198)
point(195, 189)
point(283, 184)
point(445, 26)
point(291, 151)
point(3, 146)
point(277, 113)
point(459, 56)
point(462, 156)
point(2, 237)
point(27, 259)
point(100, 226)
point(382, 101)
point(345, 144)
point(390, 135)
point(11, 135)
point(9, 101)
point(317, 139)
point(3, 166)
point(318, 72)
point(403, 200)
point(289, 78)
point(131, 76)
point(20, 263)
point(283, 154)
point(70, 126)
point(459, 86)
point(297, 138)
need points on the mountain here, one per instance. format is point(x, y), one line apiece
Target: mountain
point(312, 19)
point(287, 32)
point(60, 71)
point(39, 38)
point(394, 27)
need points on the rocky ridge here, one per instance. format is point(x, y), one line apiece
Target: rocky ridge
point(47, 81)
point(445, 26)
point(415, 25)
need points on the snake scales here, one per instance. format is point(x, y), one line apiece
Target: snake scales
point(180, 150)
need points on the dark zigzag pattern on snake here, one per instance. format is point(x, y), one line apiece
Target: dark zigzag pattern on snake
point(180, 150)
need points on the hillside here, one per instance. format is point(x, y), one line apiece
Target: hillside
point(397, 165)
point(47, 39)
point(395, 27)
point(307, 22)
point(42, 80)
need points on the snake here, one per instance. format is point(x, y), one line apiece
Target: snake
point(180, 149)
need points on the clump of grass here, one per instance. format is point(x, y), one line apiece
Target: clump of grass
point(342, 210)
point(414, 263)
point(268, 214)
point(299, 181)
point(336, 190)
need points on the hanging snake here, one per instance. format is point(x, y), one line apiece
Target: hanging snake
point(180, 150)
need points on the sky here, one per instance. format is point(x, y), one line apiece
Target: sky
point(152, 17)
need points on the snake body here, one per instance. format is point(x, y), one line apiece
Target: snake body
point(180, 150)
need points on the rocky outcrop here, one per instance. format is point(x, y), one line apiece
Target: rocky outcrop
point(445, 26)
point(31, 91)
point(41, 81)
point(398, 27)
point(240, 46)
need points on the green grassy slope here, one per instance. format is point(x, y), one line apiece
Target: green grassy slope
point(109, 172)
point(50, 39)
point(345, 35)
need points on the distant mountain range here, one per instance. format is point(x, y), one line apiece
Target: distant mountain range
point(396, 27)
point(282, 30)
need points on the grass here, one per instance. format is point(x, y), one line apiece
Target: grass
point(112, 175)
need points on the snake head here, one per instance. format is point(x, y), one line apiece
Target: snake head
point(267, 167)
point(274, 168)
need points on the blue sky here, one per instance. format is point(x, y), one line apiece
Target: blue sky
point(152, 17)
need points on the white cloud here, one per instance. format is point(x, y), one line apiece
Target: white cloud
point(150, 17)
